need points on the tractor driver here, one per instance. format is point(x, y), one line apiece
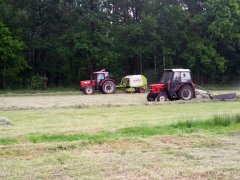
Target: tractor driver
point(100, 77)
point(177, 77)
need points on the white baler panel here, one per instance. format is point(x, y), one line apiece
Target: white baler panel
point(135, 80)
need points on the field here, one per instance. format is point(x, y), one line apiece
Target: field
point(117, 137)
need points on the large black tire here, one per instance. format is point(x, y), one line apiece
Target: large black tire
point(108, 87)
point(89, 90)
point(151, 97)
point(161, 97)
point(186, 93)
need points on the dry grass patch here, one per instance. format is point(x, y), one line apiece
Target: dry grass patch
point(166, 157)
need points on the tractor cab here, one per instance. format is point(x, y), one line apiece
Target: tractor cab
point(176, 76)
point(99, 76)
point(174, 84)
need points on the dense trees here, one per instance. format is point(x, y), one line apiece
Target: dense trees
point(65, 40)
point(11, 60)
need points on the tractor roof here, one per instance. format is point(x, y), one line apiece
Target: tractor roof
point(133, 76)
point(102, 71)
point(177, 70)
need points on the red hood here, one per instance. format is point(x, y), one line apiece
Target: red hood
point(157, 85)
point(87, 83)
point(156, 88)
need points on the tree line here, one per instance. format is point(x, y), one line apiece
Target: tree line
point(64, 41)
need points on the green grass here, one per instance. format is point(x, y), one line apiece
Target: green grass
point(217, 121)
point(7, 141)
point(94, 120)
point(61, 90)
point(217, 124)
point(129, 142)
point(90, 138)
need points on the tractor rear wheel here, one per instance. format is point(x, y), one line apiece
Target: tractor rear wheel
point(186, 93)
point(108, 87)
point(89, 90)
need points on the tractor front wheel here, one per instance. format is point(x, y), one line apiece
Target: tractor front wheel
point(161, 97)
point(89, 90)
point(151, 97)
point(186, 93)
point(108, 87)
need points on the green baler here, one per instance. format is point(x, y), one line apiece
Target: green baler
point(134, 83)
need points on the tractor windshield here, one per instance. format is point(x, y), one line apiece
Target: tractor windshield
point(99, 76)
point(167, 77)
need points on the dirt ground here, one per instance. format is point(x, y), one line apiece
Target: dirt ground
point(44, 101)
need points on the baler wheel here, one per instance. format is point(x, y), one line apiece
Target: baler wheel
point(142, 90)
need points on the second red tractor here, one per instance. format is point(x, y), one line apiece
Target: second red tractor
point(175, 84)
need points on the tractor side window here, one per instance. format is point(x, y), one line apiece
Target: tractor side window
point(166, 77)
point(185, 76)
point(100, 77)
point(177, 77)
point(107, 75)
point(95, 76)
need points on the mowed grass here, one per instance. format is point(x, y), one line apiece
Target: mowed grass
point(217, 124)
point(95, 120)
point(168, 141)
point(50, 91)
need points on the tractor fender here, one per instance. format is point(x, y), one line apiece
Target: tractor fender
point(183, 84)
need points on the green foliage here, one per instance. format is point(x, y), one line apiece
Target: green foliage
point(67, 40)
point(224, 15)
point(201, 56)
point(11, 60)
point(39, 83)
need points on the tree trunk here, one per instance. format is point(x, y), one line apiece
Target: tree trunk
point(155, 65)
point(3, 77)
point(141, 63)
point(93, 31)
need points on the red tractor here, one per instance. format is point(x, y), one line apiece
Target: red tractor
point(100, 80)
point(175, 84)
